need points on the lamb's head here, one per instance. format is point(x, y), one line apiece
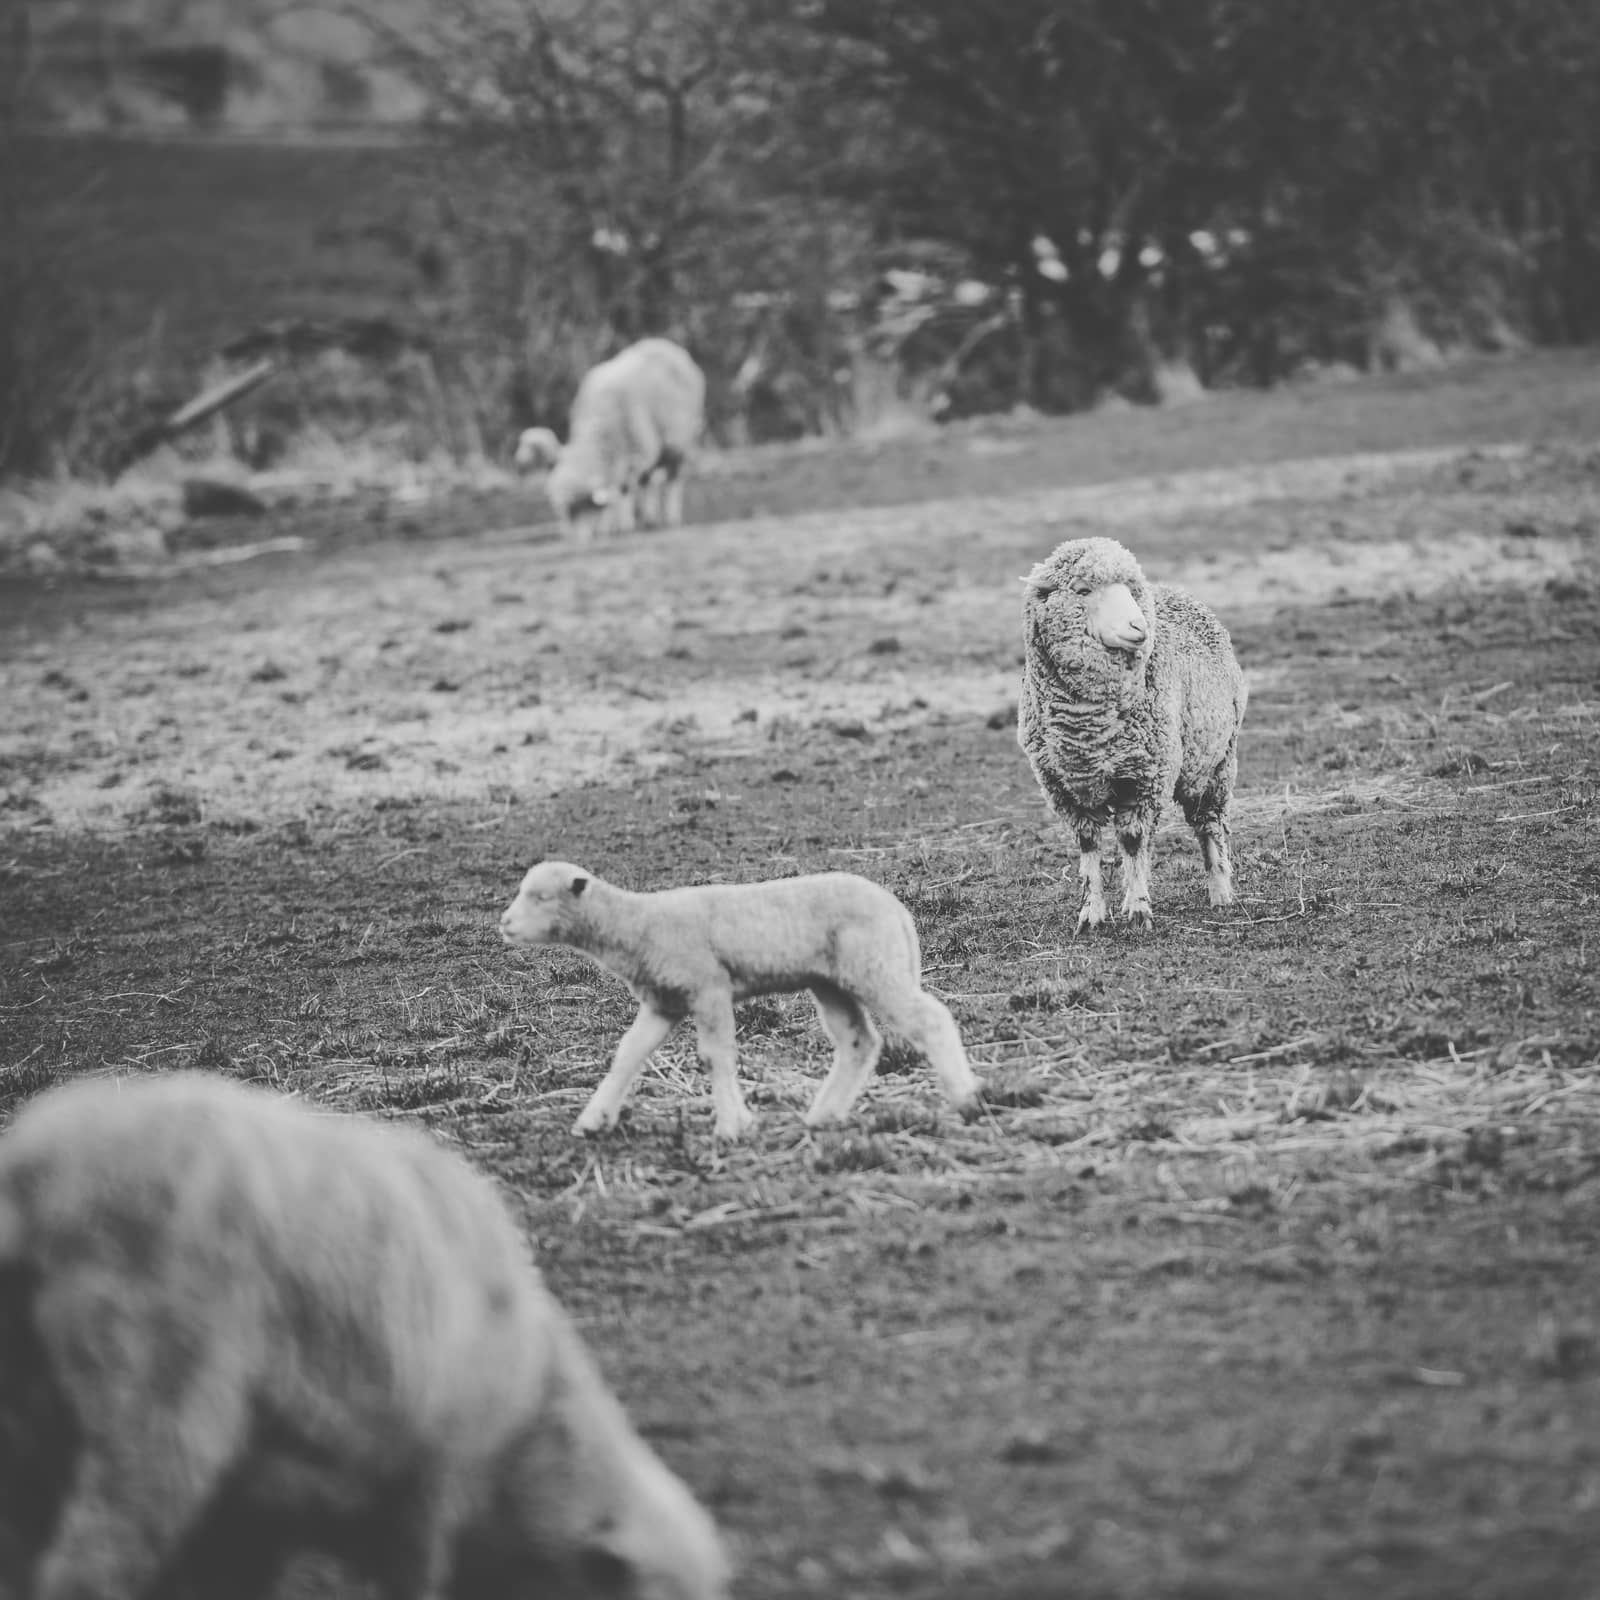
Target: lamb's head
point(547, 908)
point(537, 448)
point(1088, 605)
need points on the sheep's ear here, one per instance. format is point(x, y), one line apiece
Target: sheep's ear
point(578, 884)
point(1040, 580)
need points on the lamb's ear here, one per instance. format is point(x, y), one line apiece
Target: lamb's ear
point(601, 497)
point(578, 884)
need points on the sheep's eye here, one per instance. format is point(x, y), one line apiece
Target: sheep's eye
point(1082, 588)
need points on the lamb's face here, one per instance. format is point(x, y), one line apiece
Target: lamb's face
point(537, 448)
point(1090, 600)
point(546, 905)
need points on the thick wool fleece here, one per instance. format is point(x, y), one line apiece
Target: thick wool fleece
point(1112, 734)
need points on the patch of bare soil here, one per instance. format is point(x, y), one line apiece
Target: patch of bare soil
point(1270, 1268)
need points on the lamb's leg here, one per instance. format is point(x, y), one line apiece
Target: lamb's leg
point(713, 1022)
point(1134, 838)
point(672, 502)
point(649, 1028)
point(1093, 912)
point(856, 1043)
point(926, 1025)
point(151, 1461)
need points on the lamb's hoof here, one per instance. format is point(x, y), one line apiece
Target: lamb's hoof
point(592, 1124)
point(973, 1106)
point(732, 1129)
point(1221, 895)
point(825, 1119)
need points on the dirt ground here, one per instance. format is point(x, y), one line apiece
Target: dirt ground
point(1271, 1269)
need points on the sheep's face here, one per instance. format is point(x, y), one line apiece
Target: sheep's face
point(547, 905)
point(537, 448)
point(1090, 602)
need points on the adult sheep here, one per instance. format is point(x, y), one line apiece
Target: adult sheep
point(1131, 694)
point(269, 1330)
point(635, 420)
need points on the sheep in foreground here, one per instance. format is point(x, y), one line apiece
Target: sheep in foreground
point(274, 1330)
point(694, 952)
point(1131, 693)
point(635, 420)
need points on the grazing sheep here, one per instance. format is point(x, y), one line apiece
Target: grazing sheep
point(1131, 693)
point(272, 1330)
point(635, 420)
point(694, 952)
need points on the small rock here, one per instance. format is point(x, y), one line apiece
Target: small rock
point(1005, 717)
point(749, 714)
point(884, 647)
point(214, 497)
point(850, 728)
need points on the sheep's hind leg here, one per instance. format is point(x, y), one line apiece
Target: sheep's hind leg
point(713, 1021)
point(1093, 911)
point(148, 1469)
point(856, 1043)
point(1207, 815)
point(649, 1028)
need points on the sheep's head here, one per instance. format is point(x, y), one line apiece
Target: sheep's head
point(1089, 604)
point(537, 448)
point(546, 907)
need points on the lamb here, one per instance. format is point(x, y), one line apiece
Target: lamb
point(1131, 693)
point(635, 420)
point(267, 1330)
point(694, 952)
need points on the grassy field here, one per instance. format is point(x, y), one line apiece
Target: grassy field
point(1270, 1269)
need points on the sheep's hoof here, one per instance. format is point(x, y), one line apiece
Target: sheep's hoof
point(1091, 916)
point(592, 1124)
point(975, 1105)
point(732, 1132)
point(1221, 894)
point(1141, 916)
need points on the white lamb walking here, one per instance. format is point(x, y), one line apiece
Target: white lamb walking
point(694, 952)
point(635, 421)
point(271, 1330)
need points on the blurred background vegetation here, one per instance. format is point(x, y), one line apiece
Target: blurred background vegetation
point(863, 216)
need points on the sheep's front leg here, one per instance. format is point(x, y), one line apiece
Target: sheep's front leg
point(1094, 895)
point(713, 1021)
point(1134, 838)
point(649, 1028)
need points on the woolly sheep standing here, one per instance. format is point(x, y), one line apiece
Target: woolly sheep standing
point(635, 420)
point(1131, 693)
point(693, 952)
point(270, 1330)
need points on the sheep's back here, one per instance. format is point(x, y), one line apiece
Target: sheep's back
point(1196, 652)
point(349, 1270)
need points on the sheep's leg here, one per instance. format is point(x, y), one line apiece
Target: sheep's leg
point(856, 1043)
point(1093, 912)
point(1219, 867)
point(148, 1468)
point(1207, 813)
point(649, 1028)
point(927, 1026)
point(1135, 842)
point(672, 502)
point(713, 1022)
